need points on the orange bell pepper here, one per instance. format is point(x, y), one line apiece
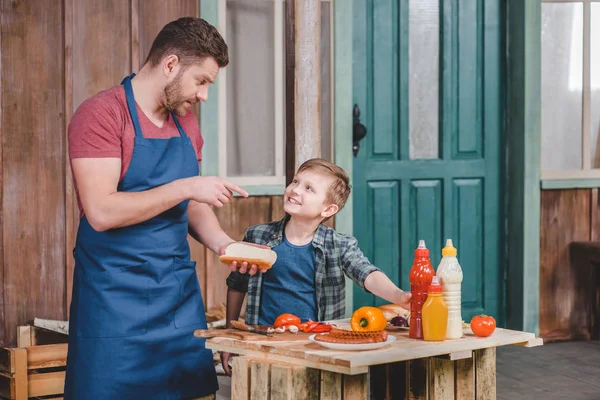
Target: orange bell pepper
point(368, 319)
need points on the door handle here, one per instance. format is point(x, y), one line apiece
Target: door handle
point(359, 131)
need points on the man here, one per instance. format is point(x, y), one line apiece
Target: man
point(134, 153)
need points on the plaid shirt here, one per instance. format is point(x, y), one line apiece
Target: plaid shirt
point(335, 255)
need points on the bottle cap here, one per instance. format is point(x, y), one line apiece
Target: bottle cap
point(449, 250)
point(421, 251)
point(435, 286)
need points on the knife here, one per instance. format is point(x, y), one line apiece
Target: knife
point(243, 327)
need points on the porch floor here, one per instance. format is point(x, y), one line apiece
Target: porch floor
point(568, 370)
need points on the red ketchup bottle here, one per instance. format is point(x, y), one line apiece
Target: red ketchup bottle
point(420, 278)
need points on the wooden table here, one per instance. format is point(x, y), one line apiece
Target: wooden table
point(293, 367)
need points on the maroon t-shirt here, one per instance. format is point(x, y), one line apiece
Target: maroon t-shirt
point(101, 127)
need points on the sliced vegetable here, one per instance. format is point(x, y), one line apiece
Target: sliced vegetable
point(399, 321)
point(320, 328)
point(483, 325)
point(368, 319)
point(286, 320)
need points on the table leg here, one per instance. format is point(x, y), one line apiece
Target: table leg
point(464, 385)
point(355, 387)
point(442, 379)
point(485, 374)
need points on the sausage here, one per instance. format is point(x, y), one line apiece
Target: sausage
point(351, 337)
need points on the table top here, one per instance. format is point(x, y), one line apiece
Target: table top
point(302, 351)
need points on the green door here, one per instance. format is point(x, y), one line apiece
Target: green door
point(428, 81)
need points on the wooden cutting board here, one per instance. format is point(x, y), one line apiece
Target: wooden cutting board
point(249, 336)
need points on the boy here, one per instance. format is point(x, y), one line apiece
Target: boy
point(307, 279)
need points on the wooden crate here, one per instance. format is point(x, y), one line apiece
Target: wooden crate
point(260, 379)
point(36, 367)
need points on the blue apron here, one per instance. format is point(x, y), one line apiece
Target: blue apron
point(136, 298)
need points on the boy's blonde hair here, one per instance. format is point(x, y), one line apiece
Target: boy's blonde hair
point(340, 188)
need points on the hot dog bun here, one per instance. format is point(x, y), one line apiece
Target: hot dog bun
point(393, 310)
point(261, 256)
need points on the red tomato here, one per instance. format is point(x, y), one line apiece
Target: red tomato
point(286, 320)
point(483, 325)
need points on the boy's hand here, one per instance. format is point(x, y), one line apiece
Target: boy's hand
point(225, 362)
point(403, 300)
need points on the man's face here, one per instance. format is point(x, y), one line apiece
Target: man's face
point(190, 86)
point(306, 196)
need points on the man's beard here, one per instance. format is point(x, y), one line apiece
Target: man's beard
point(173, 96)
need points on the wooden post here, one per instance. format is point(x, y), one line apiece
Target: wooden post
point(307, 22)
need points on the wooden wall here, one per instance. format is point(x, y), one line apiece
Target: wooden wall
point(54, 55)
point(567, 216)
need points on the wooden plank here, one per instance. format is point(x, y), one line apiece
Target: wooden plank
point(379, 381)
point(7, 361)
point(331, 386)
point(24, 336)
point(41, 336)
point(155, 14)
point(289, 382)
point(20, 382)
point(457, 355)
point(355, 387)
point(32, 157)
point(136, 63)
point(240, 379)
point(564, 219)
point(260, 380)
point(398, 381)
point(464, 379)
point(418, 376)
point(47, 383)
point(594, 218)
point(2, 305)
point(305, 383)
point(485, 374)
point(290, 66)
point(307, 76)
point(72, 214)
point(51, 355)
point(442, 379)
point(6, 383)
point(277, 212)
point(281, 381)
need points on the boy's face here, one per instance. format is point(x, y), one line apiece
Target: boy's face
point(306, 196)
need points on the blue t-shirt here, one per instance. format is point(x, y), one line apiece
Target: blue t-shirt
point(289, 286)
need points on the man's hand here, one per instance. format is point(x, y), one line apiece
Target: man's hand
point(213, 190)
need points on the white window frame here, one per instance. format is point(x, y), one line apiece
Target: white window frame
point(214, 112)
point(577, 178)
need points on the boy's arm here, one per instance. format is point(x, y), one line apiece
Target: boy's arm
point(369, 277)
point(235, 299)
point(381, 286)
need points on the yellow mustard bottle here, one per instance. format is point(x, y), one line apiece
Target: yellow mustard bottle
point(435, 314)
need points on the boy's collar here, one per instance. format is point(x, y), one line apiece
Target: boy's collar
point(318, 239)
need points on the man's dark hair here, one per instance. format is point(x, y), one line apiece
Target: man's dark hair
point(192, 40)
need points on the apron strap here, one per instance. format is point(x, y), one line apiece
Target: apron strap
point(133, 110)
point(131, 105)
point(179, 128)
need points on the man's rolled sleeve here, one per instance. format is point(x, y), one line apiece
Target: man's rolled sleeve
point(356, 266)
